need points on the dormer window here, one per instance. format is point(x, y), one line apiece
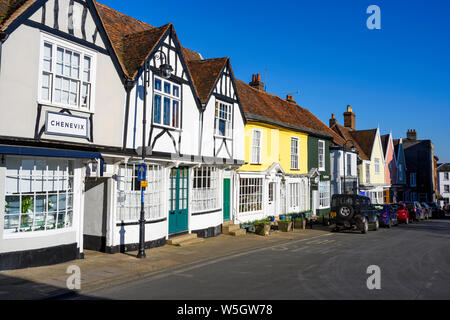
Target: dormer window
point(67, 75)
point(223, 119)
point(166, 104)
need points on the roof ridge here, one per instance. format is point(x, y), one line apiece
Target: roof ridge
point(206, 60)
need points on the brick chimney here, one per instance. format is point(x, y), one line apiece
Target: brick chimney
point(256, 82)
point(333, 120)
point(290, 99)
point(350, 118)
point(411, 135)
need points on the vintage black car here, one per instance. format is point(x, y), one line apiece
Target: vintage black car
point(353, 212)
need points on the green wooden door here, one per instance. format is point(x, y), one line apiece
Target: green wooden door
point(179, 199)
point(226, 199)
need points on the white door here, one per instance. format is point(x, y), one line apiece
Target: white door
point(272, 204)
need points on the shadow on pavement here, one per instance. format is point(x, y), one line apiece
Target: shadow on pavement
point(12, 288)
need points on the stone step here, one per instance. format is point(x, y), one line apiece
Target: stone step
point(227, 223)
point(178, 240)
point(191, 242)
point(230, 228)
point(238, 233)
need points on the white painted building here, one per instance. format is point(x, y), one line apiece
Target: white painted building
point(72, 110)
point(444, 183)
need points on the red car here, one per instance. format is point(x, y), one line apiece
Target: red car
point(402, 212)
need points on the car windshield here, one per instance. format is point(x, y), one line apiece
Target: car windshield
point(339, 201)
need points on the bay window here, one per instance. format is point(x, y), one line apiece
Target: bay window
point(223, 119)
point(67, 75)
point(39, 194)
point(129, 194)
point(250, 194)
point(205, 192)
point(166, 103)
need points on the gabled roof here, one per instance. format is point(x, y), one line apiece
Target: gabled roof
point(205, 74)
point(132, 40)
point(264, 107)
point(365, 139)
point(346, 134)
point(10, 10)
point(385, 143)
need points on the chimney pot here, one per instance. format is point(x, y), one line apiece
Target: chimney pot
point(259, 77)
point(254, 78)
point(256, 82)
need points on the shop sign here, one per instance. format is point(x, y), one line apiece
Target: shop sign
point(66, 125)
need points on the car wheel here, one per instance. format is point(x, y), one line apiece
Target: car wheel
point(377, 225)
point(345, 212)
point(365, 227)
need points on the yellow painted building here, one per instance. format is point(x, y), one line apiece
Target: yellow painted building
point(275, 147)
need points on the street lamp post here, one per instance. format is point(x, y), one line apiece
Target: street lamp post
point(165, 70)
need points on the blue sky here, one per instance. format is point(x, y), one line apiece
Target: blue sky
point(397, 77)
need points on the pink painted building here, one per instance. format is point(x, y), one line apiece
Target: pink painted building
point(390, 166)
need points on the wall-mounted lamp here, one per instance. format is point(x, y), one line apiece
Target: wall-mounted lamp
point(165, 68)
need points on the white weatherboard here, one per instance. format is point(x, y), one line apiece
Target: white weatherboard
point(66, 125)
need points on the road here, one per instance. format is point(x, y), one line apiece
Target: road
point(414, 261)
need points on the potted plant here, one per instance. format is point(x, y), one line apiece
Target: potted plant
point(262, 227)
point(300, 223)
point(285, 225)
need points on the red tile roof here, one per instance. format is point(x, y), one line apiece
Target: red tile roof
point(261, 106)
point(205, 74)
point(11, 10)
point(347, 134)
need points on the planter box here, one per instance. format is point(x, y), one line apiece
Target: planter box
point(285, 226)
point(301, 225)
point(262, 229)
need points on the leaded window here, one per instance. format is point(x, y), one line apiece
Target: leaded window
point(129, 194)
point(250, 194)
point(39, 194)
point(205, 192)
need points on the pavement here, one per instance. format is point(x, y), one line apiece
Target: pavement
point(412, 261)
point(100, 271)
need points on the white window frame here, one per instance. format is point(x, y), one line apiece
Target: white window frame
point(377, 165)
point(256, 160)
point(367, 172)
point(295, 157)
point(323, 164)
point(129, 194)
point(45, 178)
point(58, 42)
point(251, 195)
point(172, 98)
point(446, 176)
point(226, 116)
point(205, 190)
point(294, 196)
point(324, 194)
point(446, 188)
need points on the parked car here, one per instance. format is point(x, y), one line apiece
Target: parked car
point(436, 211)
point(402, 212)
point(428, 211)
point(353, 212)
point(415, 211)
point(387, 215)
